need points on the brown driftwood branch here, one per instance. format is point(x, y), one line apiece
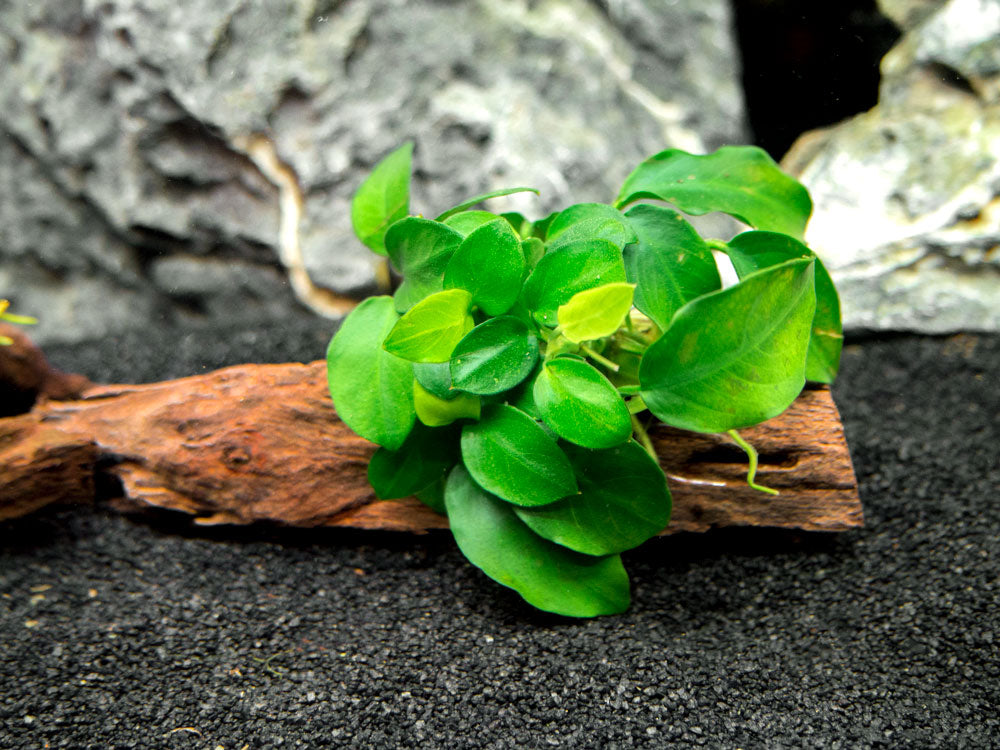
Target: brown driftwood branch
point(263, 443)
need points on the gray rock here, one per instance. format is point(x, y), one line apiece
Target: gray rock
point(176, 159)
point(907, 196)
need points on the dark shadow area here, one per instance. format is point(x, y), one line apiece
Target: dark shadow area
point(808, 65)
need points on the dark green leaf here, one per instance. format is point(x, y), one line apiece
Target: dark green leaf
point(485, 197)
point(568, 270)
point(588, 221)
point(520, 224)
point(371, 389)
point(468, 221)
point(425, 457)
point(735, 357)
point(670, 264)
point(494, 356)
point(437, 412)
point(433, 496)
point(383, 198)
point(742, 181)
point(420, 250)
point(508, 454)
point(432, 327)
point(580, 404)
point(488, 264)
point(752, 251)
point(623, 501)
point(436, 378)
point(548, 576)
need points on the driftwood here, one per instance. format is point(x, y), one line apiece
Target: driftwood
point(263, 443)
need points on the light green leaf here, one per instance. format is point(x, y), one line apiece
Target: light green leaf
point(570, 269)
point(468, 221)
point(508, 454)
point(623, 501)
point(735, 357)
point(425, 457)
point(670, 264)
point(485, 197)
point(420, 250)
point(488, 264)
point(752, 251)
point(548, 576)
point(370, 387)
point(588, 221)
point(494, 356)
point(437, 412)
point(742, 181)
point(580, 404)
point(383, 198)
point(595, 313)
point(432, 327)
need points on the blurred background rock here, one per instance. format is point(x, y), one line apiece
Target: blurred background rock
point(191, 163)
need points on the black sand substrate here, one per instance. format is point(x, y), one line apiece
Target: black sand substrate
point(124, 633)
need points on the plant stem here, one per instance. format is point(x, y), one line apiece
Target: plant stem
point(752, 456)
point(601, 360)
point(643, 437)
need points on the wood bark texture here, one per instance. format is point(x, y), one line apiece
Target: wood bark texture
point(263, 443)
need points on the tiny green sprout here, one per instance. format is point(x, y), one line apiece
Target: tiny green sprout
point(511, 379)
point(11, 318)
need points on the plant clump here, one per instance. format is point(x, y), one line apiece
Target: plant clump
point(511, 378)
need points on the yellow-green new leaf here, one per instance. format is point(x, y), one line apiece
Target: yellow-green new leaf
point(438, 412)
point(595, 313)
point(432, 327)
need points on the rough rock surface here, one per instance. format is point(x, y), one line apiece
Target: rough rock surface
point(165, 163)
point(908, 195)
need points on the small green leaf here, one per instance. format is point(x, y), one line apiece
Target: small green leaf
point(568, 270)
point(580, 404)
point(383, 198)
point(735, 357)
point(468, 221)
point(587, 221)
point(742, 181)
point(370, 387)
point(623, 501)
point(508, 454)
point(548, 576)
point(485, 197)
point(494, 356)
point(670, 264)
point(595, 313)
point(437, 412)
point(520, 224)
point(533, 250)
point(420, 250)
point(436, 378)
point(432, 327)
point(488, 264)
point(752, 251)
point(425, 457)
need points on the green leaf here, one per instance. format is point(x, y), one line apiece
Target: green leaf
point(485, 197)
point(752, 251)
point(580, 404)
point(587, 221)
point(433, 496)
point(468, 221)
point(623, 501)
point(432, 327)
point(670, 264)
point(425, 457)
point(435, 377)
point(437, 412)
point(370, 388)
point(508, 454)
point(735, 357)
point(568, 270)
point(520, 224)
point(420, 250)
point(383, 198)
point(548, 576)
point(533, 250)
point(488, 264)
point(742, 181)
point(595, 313)
point(494, 356)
